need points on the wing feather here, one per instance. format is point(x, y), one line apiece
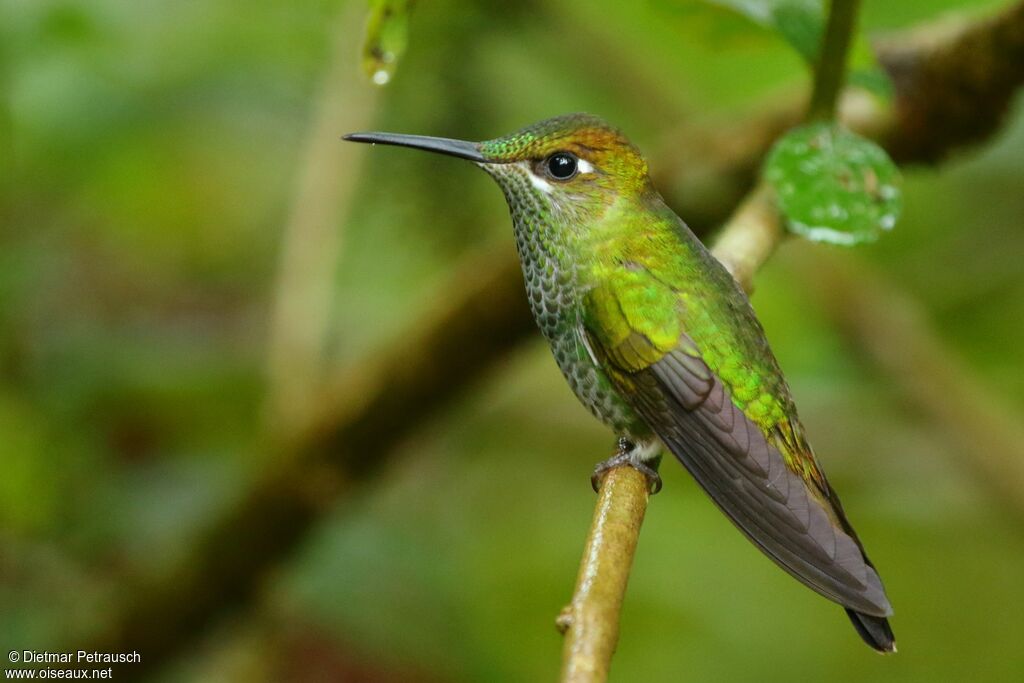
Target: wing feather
point(796, 522)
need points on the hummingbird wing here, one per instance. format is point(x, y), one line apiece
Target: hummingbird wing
point(764, 478)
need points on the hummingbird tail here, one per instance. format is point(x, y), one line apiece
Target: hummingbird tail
point(874, 630)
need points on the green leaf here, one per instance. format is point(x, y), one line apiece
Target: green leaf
point(873, 79)
point(865, 71)
point(387, 34)
point(800, 22)
point(833, 185)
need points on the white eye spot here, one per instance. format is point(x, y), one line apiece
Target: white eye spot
point(584, 166)
point(541, 184)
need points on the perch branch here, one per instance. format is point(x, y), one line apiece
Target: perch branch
point(591, 621)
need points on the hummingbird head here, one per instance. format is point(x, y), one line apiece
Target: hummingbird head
point(573, 165)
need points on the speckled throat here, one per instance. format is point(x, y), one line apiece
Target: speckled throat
point(553, 288)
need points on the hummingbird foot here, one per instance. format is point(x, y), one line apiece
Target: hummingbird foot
point(643, 457)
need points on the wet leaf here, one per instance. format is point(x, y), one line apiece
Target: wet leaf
point(387, 33)
point(833, 185)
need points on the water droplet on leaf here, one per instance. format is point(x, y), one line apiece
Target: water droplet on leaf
point(833, 185)
point(386, 37)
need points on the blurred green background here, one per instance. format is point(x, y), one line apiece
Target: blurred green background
point(152, 155)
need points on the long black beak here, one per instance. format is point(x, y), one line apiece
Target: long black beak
point(455, 148)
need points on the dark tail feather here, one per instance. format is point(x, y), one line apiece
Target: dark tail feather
point(874, 630)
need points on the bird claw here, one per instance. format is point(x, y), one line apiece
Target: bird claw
point(632, 455)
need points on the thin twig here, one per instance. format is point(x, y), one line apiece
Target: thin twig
point(830, 70)
point(312, 239)
point(591, 621)
point(749, 238)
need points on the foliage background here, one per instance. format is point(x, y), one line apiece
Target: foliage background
point(150, 154)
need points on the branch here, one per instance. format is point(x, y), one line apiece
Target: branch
point(483, 315)
point(954, 83)
point(830, 71)
point(364, 416)
point(891, 331)
point(312, 237)
point(591, 621)
point(749, 238)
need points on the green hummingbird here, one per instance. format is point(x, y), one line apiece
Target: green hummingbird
point(659, 342)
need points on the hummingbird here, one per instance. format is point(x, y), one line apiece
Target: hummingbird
point(659, 342)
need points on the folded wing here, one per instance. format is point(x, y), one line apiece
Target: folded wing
point(796, 521)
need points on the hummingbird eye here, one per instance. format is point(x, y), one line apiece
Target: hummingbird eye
point(562, 166)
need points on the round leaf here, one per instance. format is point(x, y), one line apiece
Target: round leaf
point(833, 185)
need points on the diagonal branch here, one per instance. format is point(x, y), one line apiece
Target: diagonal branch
point(954, 83)
point(366, 415)
point(312, 238)
point(890, 330)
